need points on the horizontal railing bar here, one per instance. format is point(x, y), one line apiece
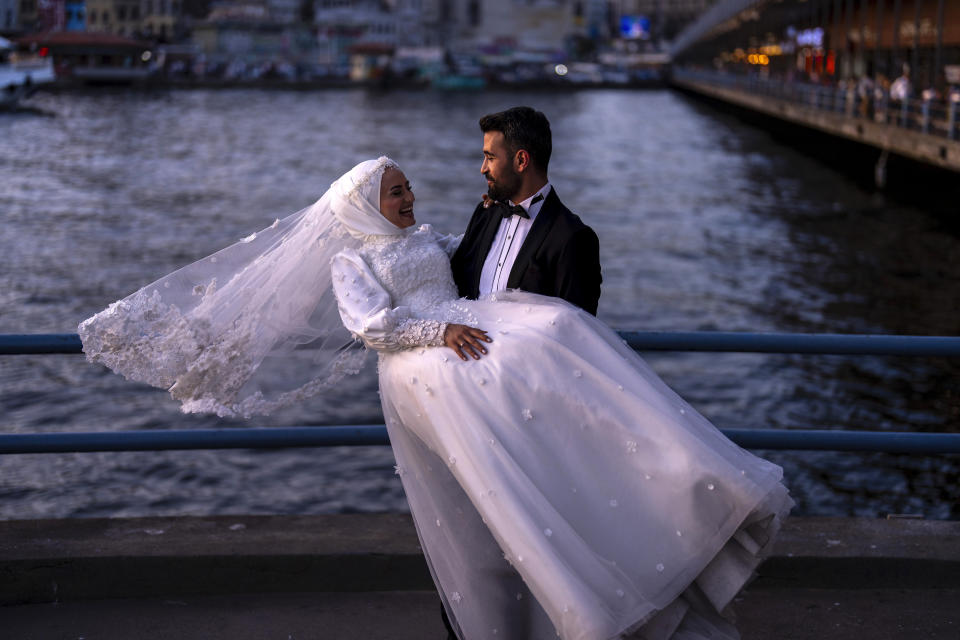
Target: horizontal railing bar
point(805, 343)
point(364, 435)
point(39, 343)
point(715, 341)
point(174, 439)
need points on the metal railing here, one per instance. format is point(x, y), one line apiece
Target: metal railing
point(927, 114)
point(715, 341)
point(326, 436)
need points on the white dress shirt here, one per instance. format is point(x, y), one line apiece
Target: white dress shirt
point(506, 245)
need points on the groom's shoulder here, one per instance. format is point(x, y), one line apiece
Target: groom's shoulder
point(565, 219)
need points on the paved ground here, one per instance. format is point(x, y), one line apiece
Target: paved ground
point(363, 577)
point(763, 614)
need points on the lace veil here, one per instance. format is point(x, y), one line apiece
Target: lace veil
point(254, 326)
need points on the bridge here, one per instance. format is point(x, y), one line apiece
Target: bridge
point(871, 72)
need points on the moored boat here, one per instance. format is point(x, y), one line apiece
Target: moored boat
point(21, 75)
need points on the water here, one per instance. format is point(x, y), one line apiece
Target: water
point(704, 223)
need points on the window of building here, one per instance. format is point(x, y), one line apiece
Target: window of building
point(149, 7)
point(135, 12)
point(122, 12)
point(92, 18)
point(473, 12)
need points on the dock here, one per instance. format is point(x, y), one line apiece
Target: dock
point(364, 576)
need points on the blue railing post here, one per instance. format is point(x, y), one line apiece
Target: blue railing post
point(925, 111)
point(952, 119)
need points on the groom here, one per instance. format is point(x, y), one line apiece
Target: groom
point(521, 236)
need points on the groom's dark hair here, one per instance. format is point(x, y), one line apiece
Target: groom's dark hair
point(522, 128)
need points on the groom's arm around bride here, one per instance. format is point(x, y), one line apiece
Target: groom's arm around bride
point(527, 239)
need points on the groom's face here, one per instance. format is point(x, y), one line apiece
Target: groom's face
point(502, 181)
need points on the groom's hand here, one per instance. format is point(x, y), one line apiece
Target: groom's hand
point(466, 341)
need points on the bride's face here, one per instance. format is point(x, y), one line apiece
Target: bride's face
point(396, 198)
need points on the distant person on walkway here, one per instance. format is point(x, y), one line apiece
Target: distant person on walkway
point(558, 486)
point(902, 87)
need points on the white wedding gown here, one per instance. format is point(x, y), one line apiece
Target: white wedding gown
point(558, 486)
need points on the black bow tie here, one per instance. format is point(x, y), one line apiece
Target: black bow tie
point(507, 210)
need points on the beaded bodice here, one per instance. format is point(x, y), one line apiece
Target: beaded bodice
point(414, 270)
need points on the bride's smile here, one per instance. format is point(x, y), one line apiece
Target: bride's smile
point(396, 198)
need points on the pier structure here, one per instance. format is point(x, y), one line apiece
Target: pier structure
point(884, 74)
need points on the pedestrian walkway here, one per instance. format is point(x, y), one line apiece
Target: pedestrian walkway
point(362, 576)
point(762, 614)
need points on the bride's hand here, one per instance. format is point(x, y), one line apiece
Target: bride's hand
point(465, 341)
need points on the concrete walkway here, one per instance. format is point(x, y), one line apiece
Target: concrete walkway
point(362, 576)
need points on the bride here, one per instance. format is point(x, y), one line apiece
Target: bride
point(558, 486)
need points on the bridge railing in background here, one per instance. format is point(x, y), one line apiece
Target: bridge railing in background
point(925, 114)
point(323, 436)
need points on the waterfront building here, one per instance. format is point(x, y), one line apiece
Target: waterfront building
point(51, 15)
point(362, 34)
point(27, 18)
point(75, 15)
point(160, 18)
point(120, 17)
point(546, 26)
point(138, 18)
point(248, 41)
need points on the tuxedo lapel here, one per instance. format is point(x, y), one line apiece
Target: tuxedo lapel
point(538, 233)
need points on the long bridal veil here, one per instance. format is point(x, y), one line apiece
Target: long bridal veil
point(252, 327)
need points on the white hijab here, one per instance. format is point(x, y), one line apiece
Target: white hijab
point(254, 326)
point(356, 199)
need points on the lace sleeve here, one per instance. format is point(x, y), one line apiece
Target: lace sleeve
point(367, 311)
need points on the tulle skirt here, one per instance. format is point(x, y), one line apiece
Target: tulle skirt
point(559, 487)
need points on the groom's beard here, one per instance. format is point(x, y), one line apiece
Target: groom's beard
point(504, 188)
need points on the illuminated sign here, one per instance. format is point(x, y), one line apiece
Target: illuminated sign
point(810, 37)
point(635, 27)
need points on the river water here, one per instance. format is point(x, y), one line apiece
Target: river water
point(705, 223)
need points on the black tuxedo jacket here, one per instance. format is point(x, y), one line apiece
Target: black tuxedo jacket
point(560, 256)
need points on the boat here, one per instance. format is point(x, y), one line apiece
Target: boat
point(93, 58)
point(21, 75)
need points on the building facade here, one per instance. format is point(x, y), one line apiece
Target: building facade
point(135, 18)
point(9, 16)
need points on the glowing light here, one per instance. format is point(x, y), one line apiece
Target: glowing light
point(44, 52)
point(146, 56)
point(561, 69)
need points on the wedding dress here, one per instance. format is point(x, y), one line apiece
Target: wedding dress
point(558, 486)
